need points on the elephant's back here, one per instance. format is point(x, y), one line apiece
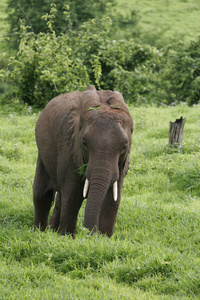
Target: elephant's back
point(59, 106)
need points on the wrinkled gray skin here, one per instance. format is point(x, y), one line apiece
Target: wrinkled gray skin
point(93, 128)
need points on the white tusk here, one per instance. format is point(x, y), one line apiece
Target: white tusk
point(85, 189)
point(115, 191)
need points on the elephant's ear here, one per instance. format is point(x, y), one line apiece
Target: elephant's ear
point(74, 122)
point(116, 101)
point(126, 165)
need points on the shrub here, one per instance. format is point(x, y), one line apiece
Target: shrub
point(47, 65)
point(179, 73)
point(128, 68)
point(31, 13)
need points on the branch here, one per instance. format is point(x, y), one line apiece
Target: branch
point(27, 18)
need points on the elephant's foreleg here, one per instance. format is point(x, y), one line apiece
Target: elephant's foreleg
point(70, 205)
point(43, 195)
point(55, 218)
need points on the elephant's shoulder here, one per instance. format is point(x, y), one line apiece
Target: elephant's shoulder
point(56, 109)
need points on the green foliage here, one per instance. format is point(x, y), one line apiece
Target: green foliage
point(81, 171)
point(146, 75)
point(175, 75)
point(32, 12)
point(82, 11)
point(45, 66)
point(48, 64)
point(126, 63)
point(154, 252)
point(126, 24)
point(182, 72)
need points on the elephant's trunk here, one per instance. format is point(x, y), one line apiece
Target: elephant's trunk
point(98, 187)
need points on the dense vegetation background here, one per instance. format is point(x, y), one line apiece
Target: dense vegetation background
point(150, 51)
point(61, 47)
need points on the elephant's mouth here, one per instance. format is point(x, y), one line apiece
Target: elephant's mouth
point(86, 188)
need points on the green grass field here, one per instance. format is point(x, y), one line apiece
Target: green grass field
point(162, 22)
point(3, 25)
point(154, 252)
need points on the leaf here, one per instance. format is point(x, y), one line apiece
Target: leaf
point(81, 171)
point(93, 108)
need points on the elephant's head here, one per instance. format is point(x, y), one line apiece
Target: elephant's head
point(99, 129)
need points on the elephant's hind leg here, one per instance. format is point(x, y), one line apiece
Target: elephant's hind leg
point(43, 195)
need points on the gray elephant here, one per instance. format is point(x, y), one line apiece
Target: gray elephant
point(92, 129)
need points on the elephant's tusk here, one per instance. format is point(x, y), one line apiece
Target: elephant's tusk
point(85, 189)
point(115, 191)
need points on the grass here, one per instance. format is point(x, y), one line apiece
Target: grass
point(3, 23)
point(4, 27)
point(162, 22)
point(154, 252)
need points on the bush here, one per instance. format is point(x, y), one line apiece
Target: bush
point(31, 13)
point(178, 77)
point(128, 69)
point(47, 65)
point(42, 70)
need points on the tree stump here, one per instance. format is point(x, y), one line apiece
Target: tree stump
point(176, 132)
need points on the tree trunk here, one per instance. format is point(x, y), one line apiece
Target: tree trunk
point(176, 132)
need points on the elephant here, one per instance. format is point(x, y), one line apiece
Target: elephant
point(91, 131)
